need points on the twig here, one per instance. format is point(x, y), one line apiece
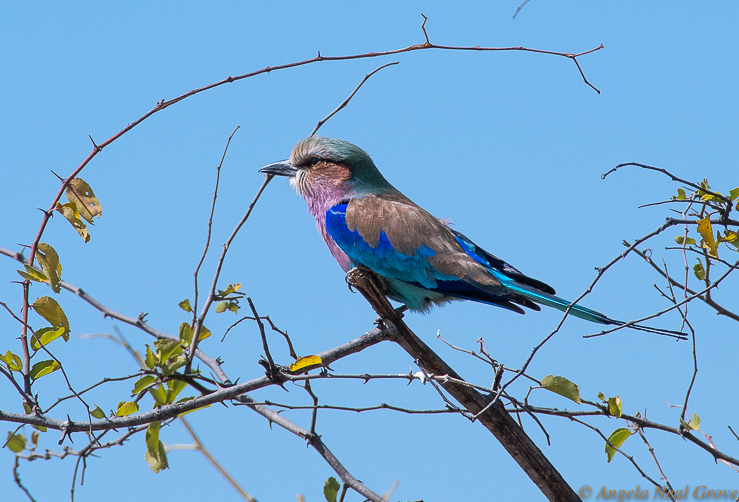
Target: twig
point(654, 457)
point(212, 295)
point(210, 224)
point(346, 101)
point(519, 8)
point(17, 479)
point(718, 308)
point(202, 449)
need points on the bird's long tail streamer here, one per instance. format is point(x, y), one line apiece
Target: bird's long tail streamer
point(583, 312)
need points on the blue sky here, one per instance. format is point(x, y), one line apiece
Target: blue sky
point(509, 146)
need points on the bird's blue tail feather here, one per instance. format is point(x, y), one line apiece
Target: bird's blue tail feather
point(557, 303)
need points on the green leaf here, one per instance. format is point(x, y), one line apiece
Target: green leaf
point(15, 442)
point(614, 406)
point(159, 394)
point(69, 211)
point(680, 239)
point(155, 455)
point(88, 206)
point(174, 389)
point(186, 333)
point(699, 271)
point(142, 383)
point(173, 364)
point(126, 408)
point(33, 274)
point(695, 422)
point(50, 310)
point(14, 362)
point(562, 386)
point(43, 368)
point(221, 307)
point(167, 349)
point(232, 288)
point(150, 359)
point(97, 412)
point(331, 489)
point(45, 336)
point(734, 194)
point(616, 438)
point(680, 194)
point(49, 261)
point(185, 305)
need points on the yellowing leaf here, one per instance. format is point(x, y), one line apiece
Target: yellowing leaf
point(204, 333)
point(190, 411)
point(185, 305)
point(680, 194)
point(33, 274)
point(734, 194)
point(616, 438)
point(562, 386)
point(69, 211)
point(15, 442)
point(142, 383)
point(49, 261)
point(730, 236)
point(614, 406)
point(305, 363)
point(699, 271)
point(88, 206)
point(45, 336)
point(126, 408)
point(13, 361)
point(232, 288)
point(695, 422)
point(97, 412)
point(50, 310)
point(601, 396)
point(706, 231)
point(43, 368)
point(221, 307)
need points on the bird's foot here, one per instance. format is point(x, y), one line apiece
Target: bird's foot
point(273, 372)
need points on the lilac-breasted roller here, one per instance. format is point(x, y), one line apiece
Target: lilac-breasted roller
point(364, 220)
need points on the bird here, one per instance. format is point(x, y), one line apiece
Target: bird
point(422, 260)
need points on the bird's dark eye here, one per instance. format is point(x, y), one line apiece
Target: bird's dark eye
point(314, 161)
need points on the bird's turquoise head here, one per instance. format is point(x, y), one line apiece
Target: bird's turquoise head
point(320, 166)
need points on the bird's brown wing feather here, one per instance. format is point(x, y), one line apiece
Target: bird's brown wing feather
point(409, 227)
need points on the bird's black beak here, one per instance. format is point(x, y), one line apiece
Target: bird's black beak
point(282, 168)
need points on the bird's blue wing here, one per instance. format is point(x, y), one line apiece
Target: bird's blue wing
point(383, 258)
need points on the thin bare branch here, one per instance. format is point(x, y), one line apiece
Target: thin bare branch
point(210, 224)
point(202, 449)
point(346, 101)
